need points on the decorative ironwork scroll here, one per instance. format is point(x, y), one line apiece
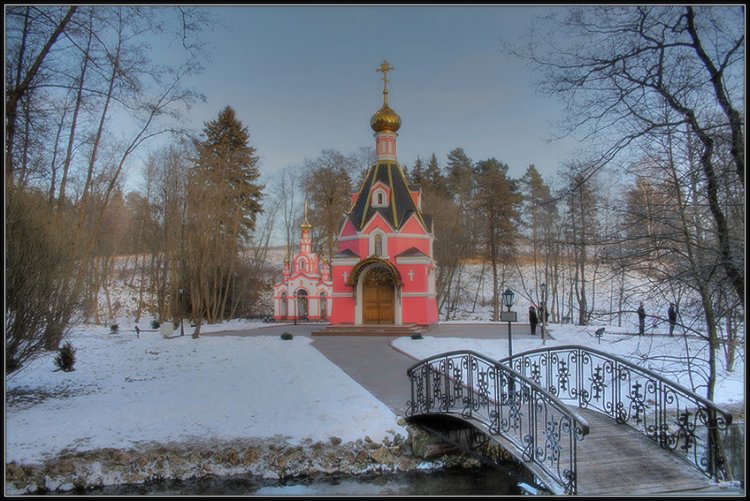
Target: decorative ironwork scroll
point(669, 414)
point(507, 404)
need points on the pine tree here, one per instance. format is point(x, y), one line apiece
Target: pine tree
point(460, 175)
point(417, 173)
point(434, 176)
point(230, 165)
point(223, 202)
point(497, 201)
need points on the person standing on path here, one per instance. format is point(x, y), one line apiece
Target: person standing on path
point(641, 319)
point(533, 319)
point(672, 314)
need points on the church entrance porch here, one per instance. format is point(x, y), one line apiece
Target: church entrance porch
point(378, 296)
point(302, 311)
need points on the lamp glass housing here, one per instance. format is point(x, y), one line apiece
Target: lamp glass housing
point(508, 298)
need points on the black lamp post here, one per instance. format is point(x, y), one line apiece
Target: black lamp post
point(508, 302)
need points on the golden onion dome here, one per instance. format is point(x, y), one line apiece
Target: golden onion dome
point(385, 118)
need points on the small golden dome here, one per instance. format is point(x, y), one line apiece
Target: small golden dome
point(385, 119)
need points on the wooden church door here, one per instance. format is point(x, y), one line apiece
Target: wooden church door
point(378, 292)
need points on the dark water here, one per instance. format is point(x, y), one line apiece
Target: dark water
point(480, 481)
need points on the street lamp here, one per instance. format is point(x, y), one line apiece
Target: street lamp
point(508, 298)
point(509, 316)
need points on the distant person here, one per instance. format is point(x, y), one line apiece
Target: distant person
point(533, 319)
point(672, 314)
point(641, 319)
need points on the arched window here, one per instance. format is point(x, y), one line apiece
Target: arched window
point(379, 198)
point(302, 264)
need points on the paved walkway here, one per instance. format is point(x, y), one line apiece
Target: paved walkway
point(381, 369)
point(373, 362)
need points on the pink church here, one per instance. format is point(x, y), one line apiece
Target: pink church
point(304, 292)
point(384, 272)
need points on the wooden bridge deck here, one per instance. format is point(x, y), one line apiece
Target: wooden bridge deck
point(614, 459)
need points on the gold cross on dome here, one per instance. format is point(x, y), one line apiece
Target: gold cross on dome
point(384, 68)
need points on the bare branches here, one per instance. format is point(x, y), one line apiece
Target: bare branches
point(717, 76)
point(625, 64)
point(22, 84)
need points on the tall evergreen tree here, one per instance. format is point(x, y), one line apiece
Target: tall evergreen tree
point(497, 201)
point(233, 163)
point(223, 203)
point(417, 173)
point(460, 175)
point(434, 176)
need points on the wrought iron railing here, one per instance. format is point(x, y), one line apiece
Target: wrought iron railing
point(671, 415)
point(510, 406)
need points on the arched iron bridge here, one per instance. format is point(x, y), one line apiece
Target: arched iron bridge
point(527, 404)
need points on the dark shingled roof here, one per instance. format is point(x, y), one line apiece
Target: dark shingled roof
point(346, 253)
point(400, 205)
point(412, 252)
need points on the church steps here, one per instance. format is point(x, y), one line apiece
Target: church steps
point(370, 330)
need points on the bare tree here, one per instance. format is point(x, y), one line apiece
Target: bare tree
point(85, 62)
point(23, 73)
point(328, 188)
point(582, 234)
point(619, 66)
point(672, 237)
point(285, 190)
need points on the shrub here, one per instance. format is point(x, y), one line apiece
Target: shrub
point(416, 335)
point(40, 271)
point(66, 359)
point(286, 336)
point(154, 324)
point(114, 327)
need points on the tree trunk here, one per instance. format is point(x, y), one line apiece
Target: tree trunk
point(53, 162)
point(74, 120)
point(479, 286)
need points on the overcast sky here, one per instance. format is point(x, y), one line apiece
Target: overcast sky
point(303, 79)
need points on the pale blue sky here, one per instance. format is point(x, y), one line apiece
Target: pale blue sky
point(302, 78)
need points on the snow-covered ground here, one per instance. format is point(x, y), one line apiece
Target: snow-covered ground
point(128, 390)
